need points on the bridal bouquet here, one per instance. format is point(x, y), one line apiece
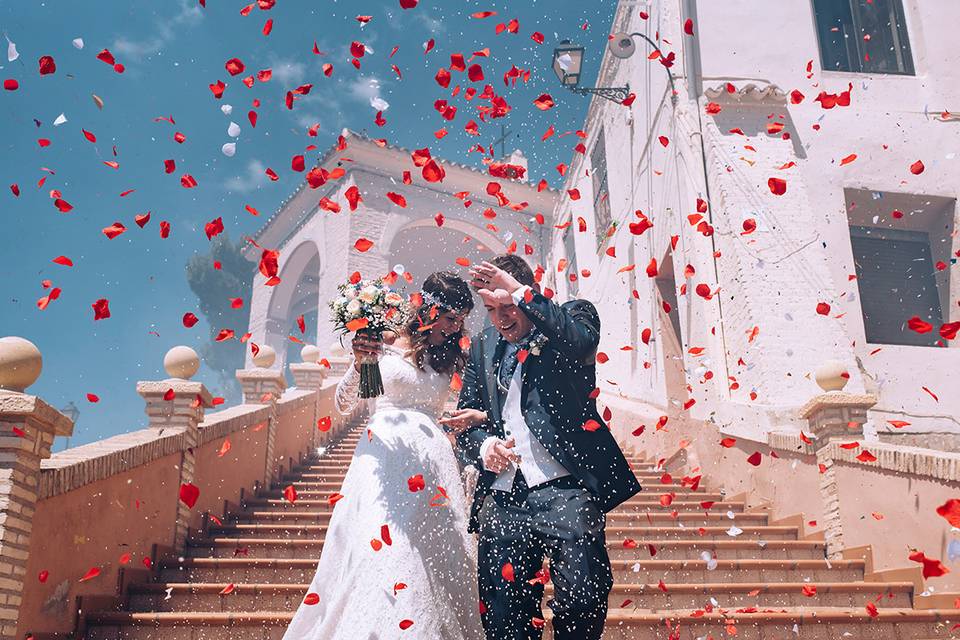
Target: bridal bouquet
point(368, 307)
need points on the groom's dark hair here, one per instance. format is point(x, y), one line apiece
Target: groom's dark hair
point(516, 267)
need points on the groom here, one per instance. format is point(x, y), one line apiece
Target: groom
point(550, 468)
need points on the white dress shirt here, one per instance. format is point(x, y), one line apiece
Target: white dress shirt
point(536, 463)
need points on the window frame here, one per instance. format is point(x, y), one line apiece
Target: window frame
point(602, 214)
point(570, 251)
point(901, 33)
point(884, 234)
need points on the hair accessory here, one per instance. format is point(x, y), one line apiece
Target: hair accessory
point(432, 300)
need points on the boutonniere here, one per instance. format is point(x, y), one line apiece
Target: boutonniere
point(537, 344)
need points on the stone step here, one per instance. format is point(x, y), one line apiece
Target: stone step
point(323, 488)
point(748, 532)
point(753, 570)
point(667, 549)
point(185, 596)
point(619, 549)
point(812, 623)
point(646, 571)
point(617, 516)
point(342, 457)
point(337, 469)
point(808, 623)
point(730, 595)
point(639, 502)
point(693, 518)
point(274, 530)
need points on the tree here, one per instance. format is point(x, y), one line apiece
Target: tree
point(214, 289)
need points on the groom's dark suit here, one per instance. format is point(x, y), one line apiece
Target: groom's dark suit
point(564, 518)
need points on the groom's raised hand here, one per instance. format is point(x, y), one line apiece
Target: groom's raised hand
point(487, 277)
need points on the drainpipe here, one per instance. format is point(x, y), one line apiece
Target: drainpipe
point(692, 57)
point(694, 69)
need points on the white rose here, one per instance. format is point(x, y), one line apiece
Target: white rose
point(369, 293)
point(393, 299)
point(353, 308)
point(350, 293)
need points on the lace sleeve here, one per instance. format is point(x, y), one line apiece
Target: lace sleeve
point(347, 396)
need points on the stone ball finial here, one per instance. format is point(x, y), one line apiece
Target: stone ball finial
point(181, 362)
point(20, 363)
point(337, 349)
point(310, 353)
point(832, 375)
point(265, 357)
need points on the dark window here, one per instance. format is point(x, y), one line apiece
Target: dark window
point(601, 192)
point(571, 255)
point(895, 274)
point(864, 36)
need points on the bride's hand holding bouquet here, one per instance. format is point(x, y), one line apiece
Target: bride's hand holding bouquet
point(369, 308)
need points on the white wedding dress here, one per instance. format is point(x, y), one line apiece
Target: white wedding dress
point(427, 575)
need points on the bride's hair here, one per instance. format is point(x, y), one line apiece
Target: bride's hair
point(442, 291)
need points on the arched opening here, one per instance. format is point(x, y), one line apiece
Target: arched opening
point(296, 295)
point(421, 248)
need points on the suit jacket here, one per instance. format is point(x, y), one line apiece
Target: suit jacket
point(555, 400)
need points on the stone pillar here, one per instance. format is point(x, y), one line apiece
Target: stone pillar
point(177, 405)
point(834, 415)
point(339, 359)
point(308, 376)
point(28, 426)
point(263, 385)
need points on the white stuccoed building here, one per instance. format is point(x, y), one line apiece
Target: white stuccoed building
point(317, 246)
point(865, 235)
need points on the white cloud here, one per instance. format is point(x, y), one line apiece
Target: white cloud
point(431, 24)
point(365, 89)
point(288, 72)
point(189, 15)
point(253, 178)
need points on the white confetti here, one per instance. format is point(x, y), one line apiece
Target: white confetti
point(12, 53)
point(78, 43)
point(233, 130)
point(60, 120)
point(229, 149)
point(379, 103)
point(734, 531)
point(227, 109)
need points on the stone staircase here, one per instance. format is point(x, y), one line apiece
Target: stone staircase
point(701, 566)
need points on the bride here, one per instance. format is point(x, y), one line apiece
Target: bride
point(397, 554)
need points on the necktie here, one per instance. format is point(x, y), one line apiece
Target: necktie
point(508, 366)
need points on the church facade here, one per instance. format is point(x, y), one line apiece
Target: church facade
point(381, 210)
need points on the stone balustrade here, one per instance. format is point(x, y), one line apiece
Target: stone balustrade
point(71, 522)
point(823, 473)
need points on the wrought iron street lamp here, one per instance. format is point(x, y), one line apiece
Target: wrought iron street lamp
point(568, 63)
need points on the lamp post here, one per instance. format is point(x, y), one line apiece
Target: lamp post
point(72, 412)
point(568, 63)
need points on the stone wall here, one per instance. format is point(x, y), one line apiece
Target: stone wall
point(106, 504)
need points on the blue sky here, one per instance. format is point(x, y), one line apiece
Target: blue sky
point(171, 52)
